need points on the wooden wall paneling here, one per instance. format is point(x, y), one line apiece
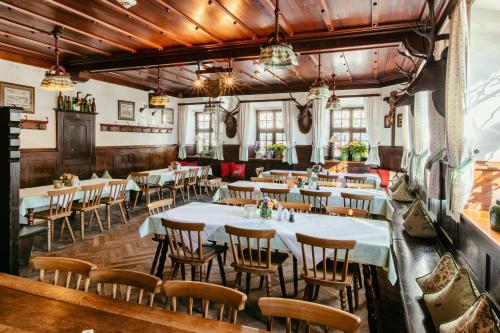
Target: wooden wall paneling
point(39, 167)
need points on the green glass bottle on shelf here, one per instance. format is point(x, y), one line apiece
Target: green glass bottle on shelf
point(495, 216)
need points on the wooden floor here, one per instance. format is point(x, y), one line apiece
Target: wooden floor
point(122, 247)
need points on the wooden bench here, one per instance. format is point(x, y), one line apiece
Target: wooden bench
point(26, 236)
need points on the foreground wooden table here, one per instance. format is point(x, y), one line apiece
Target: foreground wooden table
point(31, 306)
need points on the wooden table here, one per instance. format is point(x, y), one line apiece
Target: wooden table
point(31, 306)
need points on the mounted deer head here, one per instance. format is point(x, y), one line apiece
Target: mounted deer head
point(230, 119)
point(304, 118)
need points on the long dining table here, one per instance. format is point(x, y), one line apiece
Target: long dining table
point(32, 306)
point(381, 204)
point(163, 176)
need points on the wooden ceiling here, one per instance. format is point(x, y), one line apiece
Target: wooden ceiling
point(358, 39)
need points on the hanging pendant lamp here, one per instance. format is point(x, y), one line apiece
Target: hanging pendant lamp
point(277, 53)
point(319, 89)
point(56, 77)
point(333, 102)
point(160, 98)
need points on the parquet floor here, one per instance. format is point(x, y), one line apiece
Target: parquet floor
point(122, 247)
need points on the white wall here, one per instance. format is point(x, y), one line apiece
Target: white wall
point(484, 78)
point(106, 96)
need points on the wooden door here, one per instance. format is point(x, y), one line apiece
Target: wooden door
point(76, 142)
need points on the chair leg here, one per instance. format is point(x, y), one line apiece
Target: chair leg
point(66, 221)
point(174, 271)
point(221, 269)
point(349, 299)
point(49, 235)
point(358, 273)
point(342, 299)
point(187, 189)
point(282, 281)
point(108, 216)
point(182, 194)
point(90, 219)
point(295, 277)
point(269, 286)
point(173, 192)
point(193, 273)
point(247, 280)
point(194, 190)
point(62, 230)
point(237, 282)
point(122, 212)
point(98, 218)
point(82, 224)
point(376, 286)
point(155, 259)
point(307, 291)
point(316, 292)
point(201, 273)
point(209, 268)
point(261, 283)
point(183, 272)
point(136, 198)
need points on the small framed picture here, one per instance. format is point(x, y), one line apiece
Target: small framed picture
point(400, 120)
point(387, 121)
point(17, 95)
point(126, 110)
point(167, 116)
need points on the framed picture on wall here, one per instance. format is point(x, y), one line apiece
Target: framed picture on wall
point(167, 116)
point(387, 122)
point(18, 95)
point(126, 110)
point(400, 120)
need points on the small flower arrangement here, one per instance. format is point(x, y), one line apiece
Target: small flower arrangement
point(266, 205)
point(174, 165)
point(300, 182)
point(69, 179)
point(317, 168)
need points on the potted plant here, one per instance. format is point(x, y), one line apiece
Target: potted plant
point(357, 149)
point(278, 149)
point(344, 153)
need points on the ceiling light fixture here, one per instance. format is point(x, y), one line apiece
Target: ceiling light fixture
point(127, 3)
point(333, 102)
point(277, 53)
point(160, 98)
point(56, 77)
point(319, 89)
point(215, 87)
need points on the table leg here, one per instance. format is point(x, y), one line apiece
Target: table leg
point(376, 286)
point(163, 258)
point(127, 209)
point(295, 277)
point(370, 298)
point(30, 216)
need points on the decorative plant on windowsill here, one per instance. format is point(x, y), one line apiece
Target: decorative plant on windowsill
point(344, 153)
point(358, 150)
point(278, 149)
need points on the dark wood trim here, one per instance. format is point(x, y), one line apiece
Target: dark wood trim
point(133, 128)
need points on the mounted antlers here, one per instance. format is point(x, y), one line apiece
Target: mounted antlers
point(305, 117)
point(230, 119)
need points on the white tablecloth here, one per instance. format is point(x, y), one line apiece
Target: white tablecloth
point(370, 177)
point(163, 176)
point(373, 237)
point(380, 205)
point(37, 198)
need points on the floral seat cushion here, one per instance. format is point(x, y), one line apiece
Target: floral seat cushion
point(419, 223)
point(402, 192)
point(442, 274)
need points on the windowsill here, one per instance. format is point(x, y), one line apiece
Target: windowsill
point(481, 220)
point(199, 156)
point(264, 159)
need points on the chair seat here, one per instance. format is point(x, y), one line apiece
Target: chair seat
point(210, 251)
point(277, 259)
point(45, 215)
point(108, 201)
point(310, 279)
point(78, 206)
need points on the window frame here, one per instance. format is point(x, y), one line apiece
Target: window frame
point(351, 130)
point(274, 130)
point(198, 130)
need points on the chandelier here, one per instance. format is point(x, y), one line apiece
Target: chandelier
point(159, 99)
point(127, 3)
point(319, 89)
point(56, 77)
point(277, 53)
point(333, 102)
point(214, 88)
point(211, 107)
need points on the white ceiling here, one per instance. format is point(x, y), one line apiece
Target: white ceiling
point(487, 4)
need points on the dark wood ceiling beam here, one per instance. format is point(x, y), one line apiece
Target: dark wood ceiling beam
point(303, 43)
point(22, 49)
point(145, 83)
point(271, 6)
point(65, 26)
point(325, 15)
point(163, 78)
point(375, 63)
point(120, 80)
point(196, 24)
point(146, 22)
point(253, 77)
point(276, 76)
point(177, 75)
point(104, 24)
point(249, 32)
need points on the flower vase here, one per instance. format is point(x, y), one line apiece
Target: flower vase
point(356, 157)
point(266, 213)
point(300, 184)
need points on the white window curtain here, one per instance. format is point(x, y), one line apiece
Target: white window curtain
point(217, 128)
point(460, 173)
point(407, 131)
point(319, 130)
point(244, 117)
point(289, 117)
point(437, 151)
point(182, 130)
point(374, 109)
point(420, 138)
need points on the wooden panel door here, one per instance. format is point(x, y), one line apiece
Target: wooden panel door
point(76, 143)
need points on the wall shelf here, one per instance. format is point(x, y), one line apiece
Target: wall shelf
point(72, 111)
point(134, 128)
point(33, 124)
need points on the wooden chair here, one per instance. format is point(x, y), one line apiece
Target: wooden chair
point(79, 268)
point(368, 186)
point(259, 170)
point(297, 175)
point(358, 201)
point(142, 180)
point(128, 279)
point(177, 185)
point(60, 205)
point(256, 257)
point(312, 196)
point(90, 203)
point(279, 176)
point(346, 211)
point(262, 179)
point(332, 273)
point(280, 194)
point(154, 208)
point(328, 178)
point(183, 251)
point(239, 201)
point(203, 178)
point(192, 181)
point(233, 299)
point(117, 196)
point(328, 183)
point(214, 184)
point(355, 179)
point(309, 312)
point(240, 191)
point(296, 206)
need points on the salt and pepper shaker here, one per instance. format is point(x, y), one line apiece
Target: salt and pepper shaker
point(317, 186)
point(280, 212)
point(292, 216)
point(285, 214)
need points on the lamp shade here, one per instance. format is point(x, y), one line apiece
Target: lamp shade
point(278, 56)
point(319, 92)
point(159, 100)
point(57, 81)
point(333, 103)
point(127, 3)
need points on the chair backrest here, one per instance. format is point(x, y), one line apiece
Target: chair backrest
point(355, 179)
point(280, 194)
point(279, 176)
point(325, 246)
point(61, 202)
point(262, 179)
point(240, 191)
point(251, 247)
point(180, 177)
point(299, 175)
point(233, 299)
point(317, 199)
point(117, 190)
point(128, 279)
point(359, 201)
point(328, 178)
point(311, 313)
point(296, 206)
point(192, 175)
point(361, 185)
point(181, 237)
point(346, 211)
point(92, 195)
point(259, 170)
point(205, 170)
point(141, 179)
point(72, 267)
point(239, 201)
point(159, 206)
point(328, 183)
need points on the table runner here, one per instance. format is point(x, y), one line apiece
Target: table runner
point(371, 177)
point(373, 236)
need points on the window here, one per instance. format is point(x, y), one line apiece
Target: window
point(348, 124)
point(204, 133)
point(269, 128)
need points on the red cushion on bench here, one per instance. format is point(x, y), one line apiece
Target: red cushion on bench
point(238, 170)
point(226, 169)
